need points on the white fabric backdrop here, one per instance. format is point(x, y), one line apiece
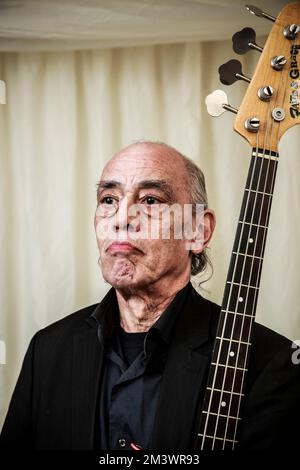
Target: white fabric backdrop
point(66, 114)
point(47, 25)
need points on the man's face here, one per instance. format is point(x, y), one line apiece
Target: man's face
point(152, 176)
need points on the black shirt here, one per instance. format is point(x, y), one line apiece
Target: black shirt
point(130, 385)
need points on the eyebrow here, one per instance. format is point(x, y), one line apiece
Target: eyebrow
point(161, 185)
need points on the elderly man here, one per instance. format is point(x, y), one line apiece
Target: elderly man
point(130, 372)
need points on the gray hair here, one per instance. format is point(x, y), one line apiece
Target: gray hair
point(198, 196)
point(196, 183)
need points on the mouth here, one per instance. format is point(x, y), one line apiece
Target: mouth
point(122, 247)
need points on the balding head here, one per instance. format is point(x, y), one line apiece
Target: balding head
point(152, 158)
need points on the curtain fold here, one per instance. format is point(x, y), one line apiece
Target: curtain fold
point(67, 113)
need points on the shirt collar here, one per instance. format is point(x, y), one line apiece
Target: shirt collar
point(107, 317)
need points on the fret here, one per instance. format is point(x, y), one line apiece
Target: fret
point(241, 285)
point(219, 364)
point(245, 254)
point(233, 294)
point(234, 340)
point(222, 416)
point(226, 391)
point(215, 437)
point(244, 270)
point(260, 192)
point(251, 223)
point(238, 313)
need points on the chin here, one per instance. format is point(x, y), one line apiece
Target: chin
point(121, 273)
point(125, 282)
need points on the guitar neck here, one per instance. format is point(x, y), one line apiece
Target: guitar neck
point(224, 394)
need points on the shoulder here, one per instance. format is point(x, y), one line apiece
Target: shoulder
point(268, 346)
point(271, 353)
point(67, 326)
point(265, 339)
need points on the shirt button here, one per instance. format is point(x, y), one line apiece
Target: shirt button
point(122, 442)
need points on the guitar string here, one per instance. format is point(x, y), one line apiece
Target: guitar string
point(270, 199)
point(244, 328)
point(260, 261)
point(262, 178)
point(222, 335)
point(227, 314)
point(241, 360)
point(268, 211)
point(245, 301)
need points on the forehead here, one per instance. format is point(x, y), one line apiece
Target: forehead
point(142, 162)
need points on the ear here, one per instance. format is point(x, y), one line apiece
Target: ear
point(203, 232)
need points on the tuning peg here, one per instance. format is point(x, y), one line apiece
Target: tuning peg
point(258, 12)
point(217, 103)
point(244, 40)
point(231, 71)
point(291, 31)
point(2, 92)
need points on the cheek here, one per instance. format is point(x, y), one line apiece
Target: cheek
point(102, 228)
point(167, 251)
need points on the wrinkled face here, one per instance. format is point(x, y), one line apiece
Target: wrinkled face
point(154, 178)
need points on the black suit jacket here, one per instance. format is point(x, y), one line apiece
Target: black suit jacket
point(55, 400)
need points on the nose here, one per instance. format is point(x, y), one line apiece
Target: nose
point(125, 219)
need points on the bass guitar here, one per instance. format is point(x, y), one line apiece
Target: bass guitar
point(270, 107)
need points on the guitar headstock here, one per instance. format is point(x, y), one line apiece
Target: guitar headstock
point(271, 104)
point(283, 110)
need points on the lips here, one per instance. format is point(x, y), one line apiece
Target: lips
point(122, 247)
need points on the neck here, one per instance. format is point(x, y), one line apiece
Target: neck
point(141, 308)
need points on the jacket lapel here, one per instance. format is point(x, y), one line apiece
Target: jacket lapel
point(87, 366)
point(186, 372)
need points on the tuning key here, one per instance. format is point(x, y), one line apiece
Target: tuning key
point(265, 93)
point(291, 31)
point(278, 62)
point(252, 124)
point(258, 12)
point(244, 40)
point(217, 103)
point(231, 71)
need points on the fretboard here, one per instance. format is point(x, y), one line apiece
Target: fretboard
point(223, 400)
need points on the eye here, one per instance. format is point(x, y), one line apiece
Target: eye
point(150, 200)
point(107, 200)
